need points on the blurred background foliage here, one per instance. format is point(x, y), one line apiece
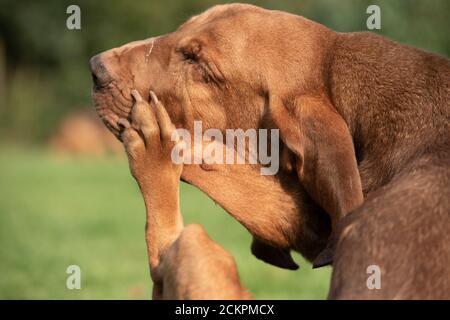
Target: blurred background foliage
point(43, 65)
point(88, 211)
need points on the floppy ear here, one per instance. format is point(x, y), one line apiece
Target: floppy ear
point(342, 230)
point(321, 141)
point(274, 256)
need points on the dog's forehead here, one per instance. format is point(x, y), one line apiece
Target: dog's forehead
point(207, 23)
point(220, 15)
point(207, 16)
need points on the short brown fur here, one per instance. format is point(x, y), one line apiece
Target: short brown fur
point(359, 115)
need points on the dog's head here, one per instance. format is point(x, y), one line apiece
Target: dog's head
point(240, 66)
point(222, 67)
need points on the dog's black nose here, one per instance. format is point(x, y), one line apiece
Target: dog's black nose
point(100, 74)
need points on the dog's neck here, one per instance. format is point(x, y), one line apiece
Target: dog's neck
point(392, 97)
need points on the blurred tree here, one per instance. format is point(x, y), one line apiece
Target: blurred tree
point(2, 73)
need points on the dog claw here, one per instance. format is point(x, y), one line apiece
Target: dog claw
point(154, 97)
point(123, 123)
point(136, 95)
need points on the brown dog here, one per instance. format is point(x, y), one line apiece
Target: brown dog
point(184, 262)
point(358, 115)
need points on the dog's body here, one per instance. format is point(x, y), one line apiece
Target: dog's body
point(402, 228)
point(399, 115)
point(359, 115)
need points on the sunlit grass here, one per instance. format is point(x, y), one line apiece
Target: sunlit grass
point(55, 212)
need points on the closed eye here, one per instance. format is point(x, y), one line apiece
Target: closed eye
point(200, 64)
point(190, 56)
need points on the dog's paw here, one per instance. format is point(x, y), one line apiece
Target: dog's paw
point(150, 139)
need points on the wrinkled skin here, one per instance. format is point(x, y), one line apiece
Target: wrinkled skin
point(203, 72)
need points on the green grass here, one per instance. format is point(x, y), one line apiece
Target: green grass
point(55, 212)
